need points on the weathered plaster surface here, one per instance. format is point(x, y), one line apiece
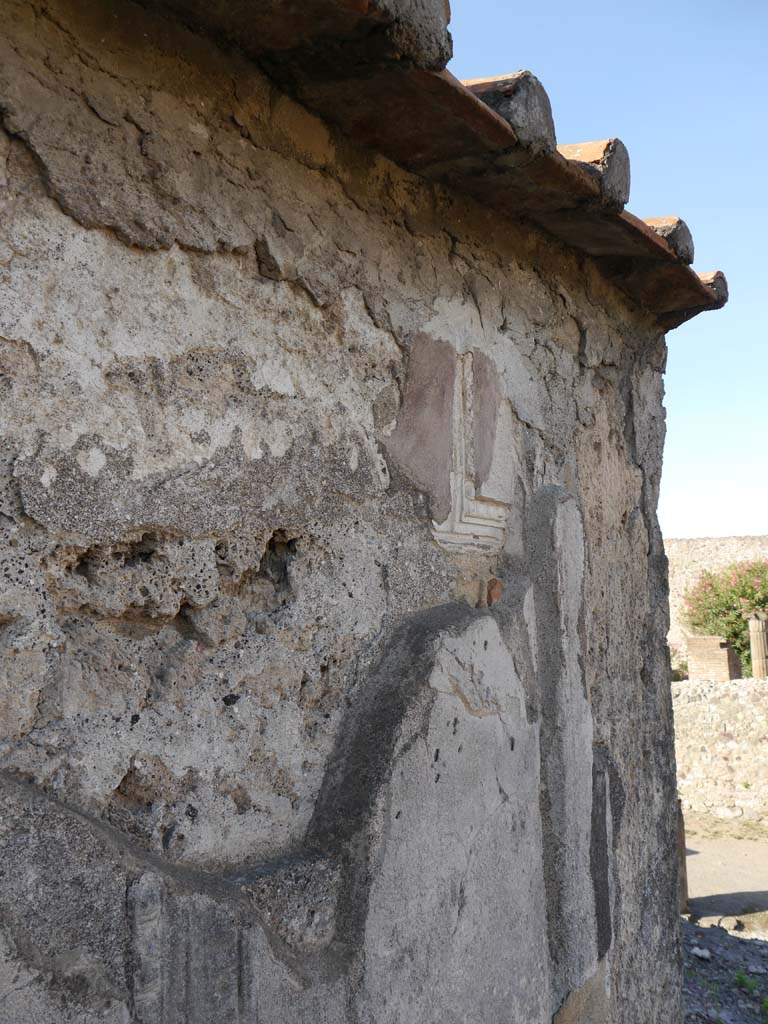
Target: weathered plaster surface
point(268, 754)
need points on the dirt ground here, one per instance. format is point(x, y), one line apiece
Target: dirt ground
point(728, 877)
point(725, 937)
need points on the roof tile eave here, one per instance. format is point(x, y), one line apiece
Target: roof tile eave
point(384, 90)
point(433, 125)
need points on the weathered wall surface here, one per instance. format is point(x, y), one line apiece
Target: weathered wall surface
point(721, 735)
point(689, 558)
point(275, 414)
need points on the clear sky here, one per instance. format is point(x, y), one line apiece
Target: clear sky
point(685, 86)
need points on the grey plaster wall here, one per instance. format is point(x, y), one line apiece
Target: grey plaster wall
point(312, 711)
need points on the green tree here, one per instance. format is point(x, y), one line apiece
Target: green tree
point(720, 604)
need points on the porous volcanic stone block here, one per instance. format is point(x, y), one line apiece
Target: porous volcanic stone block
point(332, 597)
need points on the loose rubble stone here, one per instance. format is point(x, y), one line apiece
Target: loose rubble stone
point(719, 989)
point(731, 924)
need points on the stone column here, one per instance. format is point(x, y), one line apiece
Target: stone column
point(758, 645)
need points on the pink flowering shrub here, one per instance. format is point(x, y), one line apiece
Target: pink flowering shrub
point(720, 604)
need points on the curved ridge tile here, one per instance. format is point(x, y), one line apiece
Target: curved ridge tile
point(716, 282)
point(676, 233)
point(522, 101)
point(608, 160)
point(375, 70)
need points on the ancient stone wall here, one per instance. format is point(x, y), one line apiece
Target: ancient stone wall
point(721, 737)
point(332, 670)
point(711, 657)
point(689, 558)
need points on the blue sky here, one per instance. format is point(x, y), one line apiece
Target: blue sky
point(685, 86)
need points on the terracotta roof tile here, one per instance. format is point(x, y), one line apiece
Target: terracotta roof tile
point(716, 282)
point(368, 66)
point(608, 160)
point(676, 232)
point(522, 101)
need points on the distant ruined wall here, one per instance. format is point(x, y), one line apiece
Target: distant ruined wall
point(689, 558)
point(331, 632)
point(722, 748)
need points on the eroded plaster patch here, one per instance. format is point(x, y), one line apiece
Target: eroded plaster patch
point(91, 461)
point(482, 476)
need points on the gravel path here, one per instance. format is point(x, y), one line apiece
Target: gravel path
point(725, 938)
point(725, 976)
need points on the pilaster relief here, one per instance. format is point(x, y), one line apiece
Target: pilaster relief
point(481, 478)
point(455, 438)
